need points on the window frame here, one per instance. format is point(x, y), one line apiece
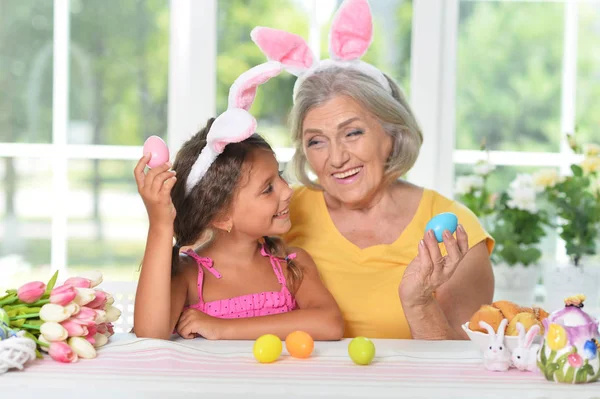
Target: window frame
point(192, 99)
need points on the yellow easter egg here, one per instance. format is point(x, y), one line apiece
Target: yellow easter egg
point(557, 337)
point(267, 348)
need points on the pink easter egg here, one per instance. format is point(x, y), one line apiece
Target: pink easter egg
point(159, 150)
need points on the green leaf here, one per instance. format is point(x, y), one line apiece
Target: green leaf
point(51, 283)
point(9, 300)
point(37, 323)
point(569, 375)
point(27, 310)
point(543, 354)
point(549, 370)
point(17, 323)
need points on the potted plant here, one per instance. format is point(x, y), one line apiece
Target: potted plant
point(575, 201)
point(518, 229)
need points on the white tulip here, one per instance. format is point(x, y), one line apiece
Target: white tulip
point(73, 308)
point(93, 275)
point(109, 299)
point(43, 339)
point(53, 331)
point(82, 347)
point(101, 317)
point(112, 314)
point(100, 340)
point(53, 312)
point(84, 296)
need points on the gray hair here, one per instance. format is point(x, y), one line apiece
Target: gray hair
point(391, 110)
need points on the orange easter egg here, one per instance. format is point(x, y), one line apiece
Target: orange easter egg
point(299, 344)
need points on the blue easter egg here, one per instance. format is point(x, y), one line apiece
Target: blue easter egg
point(439, 223)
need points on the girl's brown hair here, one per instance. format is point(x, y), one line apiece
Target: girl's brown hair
point(214, 194)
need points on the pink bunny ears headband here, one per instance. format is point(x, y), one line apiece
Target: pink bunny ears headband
point(350, 36)
point(234, 125)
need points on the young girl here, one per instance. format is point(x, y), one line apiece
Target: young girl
point(221, 202)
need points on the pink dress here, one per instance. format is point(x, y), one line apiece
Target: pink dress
point(252, 305)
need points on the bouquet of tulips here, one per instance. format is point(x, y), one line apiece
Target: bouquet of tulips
point(68, 321)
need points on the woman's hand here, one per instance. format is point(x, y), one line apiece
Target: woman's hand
point(193, 323)
point(429, 270)
point(155, 189)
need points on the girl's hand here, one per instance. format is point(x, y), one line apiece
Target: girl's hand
point(193, 323)
point(155, 189)
point(430, 269)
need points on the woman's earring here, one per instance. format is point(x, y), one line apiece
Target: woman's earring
point(229, 228)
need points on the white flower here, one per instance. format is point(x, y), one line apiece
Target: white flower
point(523, 180)
point(483, 168)
point(466, 184)
point(53, 312)
point(53, 331)
point(112, 313)
point(94, 276)
point(591, 150)
point(41, 338)
point(84, 296)
point(522, 193)
point(101, 316)
point(523, 198)
point(100, 340)
point(73, 308)
point(82, 347)
point(590, 164)
point(546, 178)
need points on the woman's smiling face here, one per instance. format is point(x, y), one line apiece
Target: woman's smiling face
point(347, 149)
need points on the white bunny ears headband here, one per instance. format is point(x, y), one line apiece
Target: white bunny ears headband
point(234, 125)
point(350, 36)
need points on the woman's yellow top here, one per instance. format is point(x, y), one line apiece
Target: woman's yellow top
point(365, 282)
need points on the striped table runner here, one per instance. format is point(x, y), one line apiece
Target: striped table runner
point(130, 368)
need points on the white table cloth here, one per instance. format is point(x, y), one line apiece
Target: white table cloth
point(129, 367)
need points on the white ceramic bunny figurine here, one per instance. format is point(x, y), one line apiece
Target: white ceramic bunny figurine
point(524, 357)
point(497, 356)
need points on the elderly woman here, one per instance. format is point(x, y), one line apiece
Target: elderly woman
point(363, 225)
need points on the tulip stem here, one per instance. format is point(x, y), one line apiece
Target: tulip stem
point(30, 326)
point(40, 343)
point(25, 316)
point(8, 301)
point(40, 302)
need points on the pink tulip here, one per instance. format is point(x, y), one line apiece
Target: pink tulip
point(31, 292)
point(575, 360)
point(102, 328)
point(61, 352)
point(78, 282)
point(74, 329)
point(63, 295)
point(92, 330)
point(85, 317)
point(110, 330)
point(99, 301)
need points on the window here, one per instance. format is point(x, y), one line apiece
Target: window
point(86, 83)
point(525, 80)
